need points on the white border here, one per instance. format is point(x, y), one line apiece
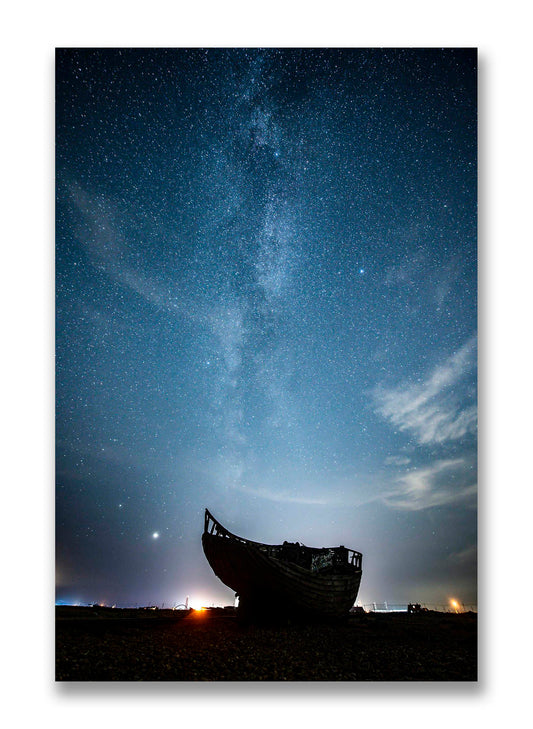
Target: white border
point(31, 31)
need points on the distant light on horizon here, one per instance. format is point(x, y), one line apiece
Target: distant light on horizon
point(198, 603)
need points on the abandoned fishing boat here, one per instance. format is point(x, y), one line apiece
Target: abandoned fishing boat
point(288, 578)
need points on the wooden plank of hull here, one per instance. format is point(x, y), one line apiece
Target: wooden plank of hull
point(251, 573)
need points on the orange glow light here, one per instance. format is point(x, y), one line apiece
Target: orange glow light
point(455, 605)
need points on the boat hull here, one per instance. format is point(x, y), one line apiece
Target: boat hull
point(272, 585)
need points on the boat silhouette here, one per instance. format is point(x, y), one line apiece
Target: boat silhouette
point(288, 578)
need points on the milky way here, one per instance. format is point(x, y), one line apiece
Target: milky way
point(266, 305)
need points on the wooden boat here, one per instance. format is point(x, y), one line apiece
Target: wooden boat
point(288, 578)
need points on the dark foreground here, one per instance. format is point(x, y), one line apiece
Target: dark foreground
point(137, 645)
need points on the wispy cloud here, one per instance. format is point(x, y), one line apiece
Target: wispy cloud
point(397, 461)
point(465, 556)
point(444, 482)
point(283, 496)
point(100, 232)
point(432, 409)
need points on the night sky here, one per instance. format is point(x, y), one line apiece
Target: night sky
point(266, 305)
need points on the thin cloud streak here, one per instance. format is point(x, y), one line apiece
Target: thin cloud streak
point(101, 236)
point(465, 556)
point(442, 483)
point(283, 497)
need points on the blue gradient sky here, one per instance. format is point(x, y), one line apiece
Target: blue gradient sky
point(266, 304)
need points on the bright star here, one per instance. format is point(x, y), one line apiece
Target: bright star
point(155, 535)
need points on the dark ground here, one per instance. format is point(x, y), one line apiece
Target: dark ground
point(105, 644)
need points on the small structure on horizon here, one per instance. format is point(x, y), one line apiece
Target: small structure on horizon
point(416, 608)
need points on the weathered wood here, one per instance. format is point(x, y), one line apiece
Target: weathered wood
point(271, 575)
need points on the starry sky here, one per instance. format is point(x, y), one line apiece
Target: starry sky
point(266, 305)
